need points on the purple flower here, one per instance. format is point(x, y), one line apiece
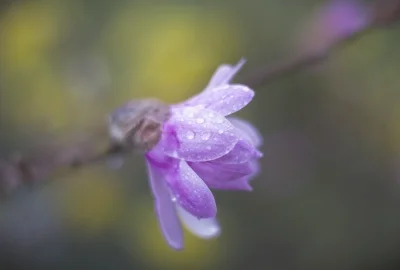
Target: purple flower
point(343, 17)
point(201, 149)
point(332, 20)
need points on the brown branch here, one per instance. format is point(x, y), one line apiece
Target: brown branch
point(271, 73)
point(20, 169)
point(139, 125)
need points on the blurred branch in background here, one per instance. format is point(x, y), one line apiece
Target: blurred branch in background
point(20, 169)
point(381, 14)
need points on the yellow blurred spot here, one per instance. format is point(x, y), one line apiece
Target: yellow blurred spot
point(169, 51)
point(145, 239)
point(27, 30)
point(92, 201)
point(42, 103)
point(34, 93)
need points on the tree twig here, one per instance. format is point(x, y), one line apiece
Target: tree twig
point(383, 13)
point(21, 169)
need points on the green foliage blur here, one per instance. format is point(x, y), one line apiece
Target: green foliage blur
point(328, 196)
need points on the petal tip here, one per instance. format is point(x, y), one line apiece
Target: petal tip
point(176, 246)
point(207, 228)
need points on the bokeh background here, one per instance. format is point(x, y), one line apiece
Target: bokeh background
point(328, 196)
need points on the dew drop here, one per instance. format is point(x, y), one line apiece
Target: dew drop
point(220, 131)
point(205, 136)
point(200, 120)
point(190, 135)
point(173, 199)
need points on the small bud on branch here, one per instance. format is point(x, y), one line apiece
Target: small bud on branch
point(137, 124)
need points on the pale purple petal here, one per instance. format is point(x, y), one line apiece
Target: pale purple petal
point(241, 184)
point(224, 74)
point(201, 133)
point(205, 228)
point(165, 208)
point(233, 183)
point(191, 192)
point(242, 152)
point(255, 167)
point(168, 144)
point(247, 130)
point(217, 175)
point(226, 99)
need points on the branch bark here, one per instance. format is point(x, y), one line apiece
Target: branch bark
point(20, 169)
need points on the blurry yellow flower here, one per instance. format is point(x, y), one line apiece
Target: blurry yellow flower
point(169, 51)
point(92, 201)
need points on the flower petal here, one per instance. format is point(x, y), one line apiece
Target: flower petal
point(224, 74)
point(216, 174)
point(201, 133)
point(191, 192)
point(239, 184)
point(205, 228)
point(255, 167)
point(224, 99)
point(242, 152)
point(165, 208)
point(228, 98)
point(247, 130)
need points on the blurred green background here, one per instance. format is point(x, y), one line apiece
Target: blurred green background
point(328, 196)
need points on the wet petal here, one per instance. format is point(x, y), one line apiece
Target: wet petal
point(165, 208)
point(224, 74)
point(205, 228)
point(242, 152)
point(225, 99)
point(201, 133)
point(255, 167)
point(214, 172)
point(191, 192)
point(239, 184)
point(247, 130)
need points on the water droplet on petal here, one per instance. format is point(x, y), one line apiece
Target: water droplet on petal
point(173, 199)
point(220, 131)
point(200, 120)
point(205, 136)
point(190, 135)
